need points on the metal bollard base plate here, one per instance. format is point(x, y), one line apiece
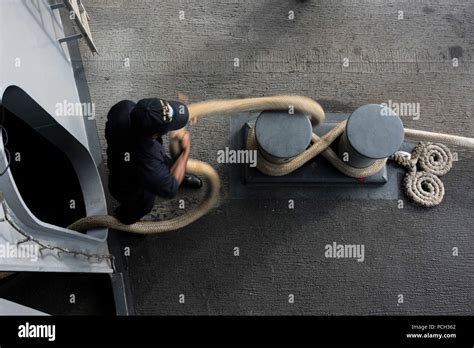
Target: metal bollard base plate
point(315, 180)
point(318, 171)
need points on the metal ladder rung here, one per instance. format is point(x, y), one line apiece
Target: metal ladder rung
point(70, 38)
point(81, 18)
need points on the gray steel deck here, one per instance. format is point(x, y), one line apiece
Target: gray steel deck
point(408, 251)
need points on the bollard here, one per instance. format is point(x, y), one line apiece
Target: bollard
point(372, 132)
point(281, 136)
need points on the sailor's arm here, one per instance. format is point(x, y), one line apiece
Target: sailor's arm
point(178, 169)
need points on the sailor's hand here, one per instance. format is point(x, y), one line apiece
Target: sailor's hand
point(192, 120)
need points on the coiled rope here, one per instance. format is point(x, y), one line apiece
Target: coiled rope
point(319, 145)
point(424, 187)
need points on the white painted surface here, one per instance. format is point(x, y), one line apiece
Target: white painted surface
point(29, 31)
point(12, 308)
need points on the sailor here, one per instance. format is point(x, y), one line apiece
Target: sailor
point(139, 168)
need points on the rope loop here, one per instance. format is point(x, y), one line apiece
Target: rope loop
point(405, 160)
point(434, 158)
point(423, 188)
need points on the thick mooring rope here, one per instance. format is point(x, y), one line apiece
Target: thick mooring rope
point(228, 107)
point(426, 164)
